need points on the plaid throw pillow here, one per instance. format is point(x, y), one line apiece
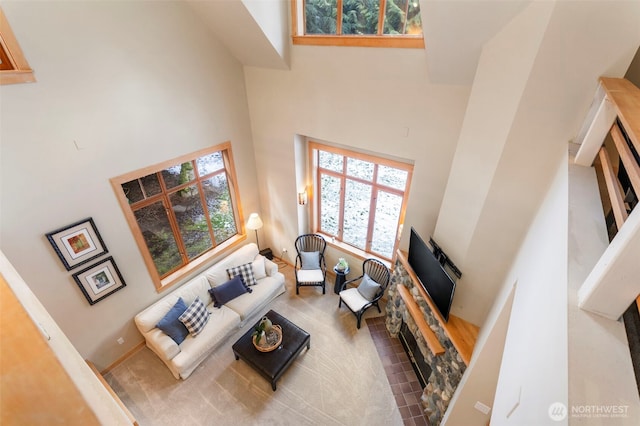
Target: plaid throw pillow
point(195, 317)
point(245, 271)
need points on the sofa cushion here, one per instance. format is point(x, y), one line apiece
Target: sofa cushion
point(228, 291)
point(245, 271)
point(310, 259)
point(171, 325)
point(221, 324)
point(195, 317)
point(266, 289)
point(164, 346)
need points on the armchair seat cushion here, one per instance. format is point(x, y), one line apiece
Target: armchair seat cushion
point(310, 275)
point(353, 299)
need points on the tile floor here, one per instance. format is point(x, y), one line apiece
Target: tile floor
point(404, 383)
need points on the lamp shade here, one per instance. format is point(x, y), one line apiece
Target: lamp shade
point(254, 221)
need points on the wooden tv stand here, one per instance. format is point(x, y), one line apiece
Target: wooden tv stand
point(461, 333)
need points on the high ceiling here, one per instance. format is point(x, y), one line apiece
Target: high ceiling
point(455, 32)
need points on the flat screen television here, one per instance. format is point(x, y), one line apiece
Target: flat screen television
point(431, 268)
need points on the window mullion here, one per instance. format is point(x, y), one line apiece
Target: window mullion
point(343, 187)
point(203, 199)
point(406, 14)
point(318, 197)
point(229, 170)
point(372, 207)
point(343, 195)
point(339, 17)
point(381, 14)
point(205, 210)
point(173, 221)
point(175, 228)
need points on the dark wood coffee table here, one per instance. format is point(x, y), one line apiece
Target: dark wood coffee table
point(272, 365)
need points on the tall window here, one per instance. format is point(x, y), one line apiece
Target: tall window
point(182, 210)
point(378, 23)
point(360, 198)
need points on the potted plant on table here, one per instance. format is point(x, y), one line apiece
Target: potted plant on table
point(260, 330)
point(342, 264)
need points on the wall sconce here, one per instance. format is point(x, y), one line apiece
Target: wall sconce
point(302, 197)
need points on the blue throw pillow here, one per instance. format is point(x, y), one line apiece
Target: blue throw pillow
point(368, 288)
point(171, 325)
point(233, 288)
point(310, 259)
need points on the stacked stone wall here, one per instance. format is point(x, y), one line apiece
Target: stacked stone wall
point(448, 368)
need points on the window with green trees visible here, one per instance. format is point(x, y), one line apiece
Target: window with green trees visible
point(182, 209)
point(361, 198)
point(362, 17)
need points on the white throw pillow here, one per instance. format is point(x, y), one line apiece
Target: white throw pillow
point(258, 266)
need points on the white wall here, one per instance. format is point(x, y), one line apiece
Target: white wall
point(455, 33)
point(582, 41)
point(595, 343)
point(362, 98)
point(479, 382)
point(534, 368)
point(133, 84)
point(500, 81)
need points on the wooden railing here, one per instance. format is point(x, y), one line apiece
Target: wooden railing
point(625, 99)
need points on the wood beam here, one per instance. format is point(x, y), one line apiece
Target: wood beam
point(630, 164)
point(625, 96)
point(613, 187)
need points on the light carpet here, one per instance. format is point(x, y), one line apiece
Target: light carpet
point(339, 381)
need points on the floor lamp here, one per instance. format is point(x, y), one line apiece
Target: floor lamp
point(255, 223)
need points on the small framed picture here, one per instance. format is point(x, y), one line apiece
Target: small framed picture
point(77, 243)
point(100, 280)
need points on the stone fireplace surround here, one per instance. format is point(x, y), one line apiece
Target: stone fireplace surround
point(446, 369)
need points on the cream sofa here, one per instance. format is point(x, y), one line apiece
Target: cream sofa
point(183, 359)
